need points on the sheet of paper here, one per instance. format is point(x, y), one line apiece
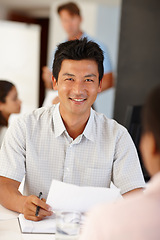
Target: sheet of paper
point(46, 225)
point(64, 196)
point(71, 197)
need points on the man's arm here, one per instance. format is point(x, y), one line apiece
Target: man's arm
point(107, 81)
point(12, 199)
point(127, 172)
point(137, 190)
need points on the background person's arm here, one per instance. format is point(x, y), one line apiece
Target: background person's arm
point(107, 81)
point(12, 199)
point(47, 77)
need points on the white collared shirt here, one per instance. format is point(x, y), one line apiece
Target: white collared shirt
point(37, 145)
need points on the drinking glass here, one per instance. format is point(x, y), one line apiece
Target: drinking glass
point(67, 225)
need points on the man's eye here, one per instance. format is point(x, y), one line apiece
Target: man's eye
point(89, 80)
point(70, 79)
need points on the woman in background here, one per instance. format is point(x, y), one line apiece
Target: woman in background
point(138, 216)
point(9, 103)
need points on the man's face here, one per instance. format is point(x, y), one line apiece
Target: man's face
point(70, 23)
point(77, 85)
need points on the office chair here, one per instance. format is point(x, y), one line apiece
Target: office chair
point(133, 124)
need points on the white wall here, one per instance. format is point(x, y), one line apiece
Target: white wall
point(108, 16)
point(102, 21)
point(19, 60)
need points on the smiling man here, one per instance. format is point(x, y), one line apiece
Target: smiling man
point(69, 141)
point(77, 85)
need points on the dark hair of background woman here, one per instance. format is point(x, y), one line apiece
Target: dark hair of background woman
point(5, 88)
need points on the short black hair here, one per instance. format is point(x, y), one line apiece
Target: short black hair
point(71, 7)
point(78, 50)
point(151, 115)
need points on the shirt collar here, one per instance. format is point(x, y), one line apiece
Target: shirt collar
point(59, 127)
point(89, 129)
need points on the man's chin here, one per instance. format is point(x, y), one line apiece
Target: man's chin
point(72, 35)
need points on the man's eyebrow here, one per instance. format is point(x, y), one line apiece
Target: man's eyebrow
point(68, 74)
point(72, 75)
point(90, 75)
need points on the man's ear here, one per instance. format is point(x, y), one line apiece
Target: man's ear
point(54, 83)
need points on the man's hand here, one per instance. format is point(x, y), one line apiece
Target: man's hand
point(22, 204)
point(30, 205)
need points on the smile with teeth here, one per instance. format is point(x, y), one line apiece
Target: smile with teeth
point(78, 99)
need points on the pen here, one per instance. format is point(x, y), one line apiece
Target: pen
point(38, 207)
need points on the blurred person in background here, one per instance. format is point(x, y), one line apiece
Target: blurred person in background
point(137, 217)
point(71, 19)
point(9, 103)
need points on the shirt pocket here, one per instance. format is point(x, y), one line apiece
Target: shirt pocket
point(97, 177)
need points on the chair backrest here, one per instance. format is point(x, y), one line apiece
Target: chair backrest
point(134, 126)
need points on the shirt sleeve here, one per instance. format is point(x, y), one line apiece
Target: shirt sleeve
point(107, 62)
point(13, 152)
point(127, 172)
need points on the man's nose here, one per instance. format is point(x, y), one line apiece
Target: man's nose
point(78, 87)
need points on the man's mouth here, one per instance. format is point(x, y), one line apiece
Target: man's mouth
point(78, 99)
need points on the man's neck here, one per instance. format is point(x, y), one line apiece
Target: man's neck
point(75, 125)
point(76, 36)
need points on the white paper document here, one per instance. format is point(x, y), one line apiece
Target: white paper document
point(46, 225)
point(64, 196)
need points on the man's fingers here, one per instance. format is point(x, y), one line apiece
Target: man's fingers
point(38, 202)
point(30, 215)
point(33, 218)
point(43, 199)
point(30, 207)
point(43, 213)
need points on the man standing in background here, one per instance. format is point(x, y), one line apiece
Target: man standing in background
point(71, 19)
